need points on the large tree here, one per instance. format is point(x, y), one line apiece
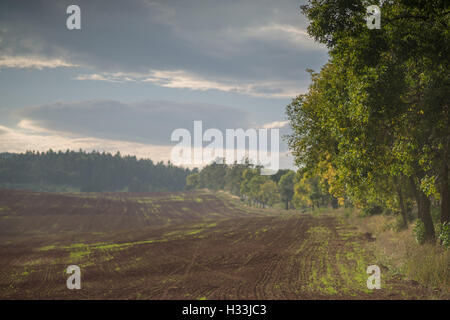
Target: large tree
point(378, 111)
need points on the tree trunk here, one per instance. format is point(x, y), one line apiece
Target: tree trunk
point(416, 196)
point(401, 201)
point(424, 212)
point(445, 196)
point(426, 218)
point(402, 206)
point(287, 204)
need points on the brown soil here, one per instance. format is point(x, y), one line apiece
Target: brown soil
point(191, 245)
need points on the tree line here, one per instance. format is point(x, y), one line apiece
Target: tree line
point(375, 122)
point(88, 172)
point(289, 188)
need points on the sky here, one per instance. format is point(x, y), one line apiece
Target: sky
point(139, 69)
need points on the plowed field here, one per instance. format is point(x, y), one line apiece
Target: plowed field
point(195, 245)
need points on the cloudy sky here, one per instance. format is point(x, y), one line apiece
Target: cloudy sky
point(139, 69)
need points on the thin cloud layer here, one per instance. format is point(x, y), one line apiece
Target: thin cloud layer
point(145, 122)
point(20, 140)
point(24, 62)
point(183, 80)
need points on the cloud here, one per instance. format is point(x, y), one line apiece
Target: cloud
point(283, 34)
point(39, 63)
point(100, 77)
point(275, 124)
point(254, 47)
point(145, 122)
point(137, 128)
point(183, 80)
point(14, 140)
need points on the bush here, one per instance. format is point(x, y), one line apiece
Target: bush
point(372, 209)
point(419, 232)
point(444, 234)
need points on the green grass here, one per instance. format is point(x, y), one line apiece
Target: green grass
point(47, 248)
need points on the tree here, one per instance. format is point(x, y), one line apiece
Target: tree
point(213, 176)
point(308, 192)
point(192, 181)
point(269, 194)
point(277, 176)
point(89, 172)
point(378, 111)
point(247, 176)
point(233, 177)
point(254, 186)
point(286, 188)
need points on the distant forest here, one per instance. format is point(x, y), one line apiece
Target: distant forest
point(289, 188)
point(88, 172)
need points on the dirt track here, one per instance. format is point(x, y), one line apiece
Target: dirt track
point(184, 246)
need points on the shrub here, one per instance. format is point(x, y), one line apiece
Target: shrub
point(444, 234)
point(419, 232)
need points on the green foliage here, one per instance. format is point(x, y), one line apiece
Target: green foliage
point(444, 234)
point(269, 193)
point(192, 181)
point(419, 232)
point(220, 177)
point(234, 177)
point(89, 172)
point(247, 176)
point(244, 180)
point(375, 122)
point(286, 187)
point(277, 176)
point(255, 184)
point(213, 176)
point(311, 192)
